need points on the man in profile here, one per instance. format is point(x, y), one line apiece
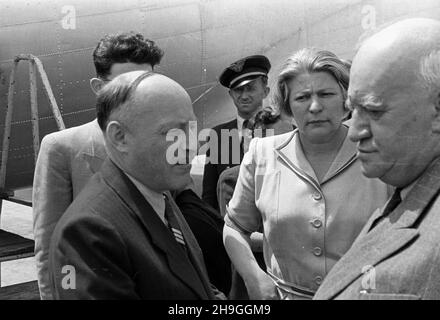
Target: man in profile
point(246, 80)
point(124, 236)
point(394, 93)
point(68, 158)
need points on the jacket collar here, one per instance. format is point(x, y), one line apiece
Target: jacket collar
point(233, 124)
point(291, 153)
point(94, 152)
point(390, 235)
point(192, 273)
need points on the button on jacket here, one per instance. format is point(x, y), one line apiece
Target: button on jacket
point(308, 225)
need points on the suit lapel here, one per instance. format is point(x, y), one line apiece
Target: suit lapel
point(373, 248)
point(158, 232)
point(376, 214)
point(388, 237)
point(193, 248)
point(231, 124)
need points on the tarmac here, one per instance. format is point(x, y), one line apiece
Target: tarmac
point(17, 218)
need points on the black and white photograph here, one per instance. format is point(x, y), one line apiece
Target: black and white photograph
point(224, 151)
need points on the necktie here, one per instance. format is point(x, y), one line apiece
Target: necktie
point(391, 205)
point(173, 224)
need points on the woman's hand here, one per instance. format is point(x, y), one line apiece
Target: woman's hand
point(262, 287)
point(258, 283)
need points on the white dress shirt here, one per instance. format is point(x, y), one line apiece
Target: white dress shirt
point(242, 131)
point(155, 199)
point(240, 128)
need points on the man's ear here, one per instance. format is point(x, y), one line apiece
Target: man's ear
point(436, 121)
point(96, 84)
point(116, 136)
point(266, 91)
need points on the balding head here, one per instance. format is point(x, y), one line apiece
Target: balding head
point(116, 94)
point(395, 93)
point(397, 54)
point(118, 98)
point(413, 34)
point(136, 111)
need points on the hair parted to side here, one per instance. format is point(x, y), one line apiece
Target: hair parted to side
point(116, 94)
point(122, 48)
point(309, 60)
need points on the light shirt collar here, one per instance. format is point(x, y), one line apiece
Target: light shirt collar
point(155, 199)
point(407, 189)
point(240, 121)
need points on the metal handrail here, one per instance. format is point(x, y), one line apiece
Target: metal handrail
point(35, 66)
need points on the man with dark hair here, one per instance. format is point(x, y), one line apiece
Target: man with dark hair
point(118, 52)
point(123, 236)
point(68, 158)
point(246, 80)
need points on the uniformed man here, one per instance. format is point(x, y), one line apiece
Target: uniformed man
point(246, 80)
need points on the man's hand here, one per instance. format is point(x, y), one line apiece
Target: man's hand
point(262, 287)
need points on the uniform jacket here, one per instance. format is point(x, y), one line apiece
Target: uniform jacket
point(207, 226)
point(212, 171)
point(400, 257)
point(121, 249)
point(66, 161)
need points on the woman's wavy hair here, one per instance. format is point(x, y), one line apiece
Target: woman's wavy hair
point(309, 60)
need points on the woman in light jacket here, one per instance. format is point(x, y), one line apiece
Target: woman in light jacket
point(305, 188)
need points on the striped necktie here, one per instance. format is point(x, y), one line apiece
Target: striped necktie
point(173, 224)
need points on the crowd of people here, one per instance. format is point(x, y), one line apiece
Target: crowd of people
point(336, 182)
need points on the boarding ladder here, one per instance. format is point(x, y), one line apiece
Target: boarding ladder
point(13, 246)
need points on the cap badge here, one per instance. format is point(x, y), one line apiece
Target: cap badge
point(237, 66)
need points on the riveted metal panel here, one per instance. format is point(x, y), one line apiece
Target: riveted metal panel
point(200, 38)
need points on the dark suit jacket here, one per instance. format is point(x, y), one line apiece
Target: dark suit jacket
point(207, 226)
point(400, 257)
point(226, 186)
point(212, 171)
point(120, 249)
